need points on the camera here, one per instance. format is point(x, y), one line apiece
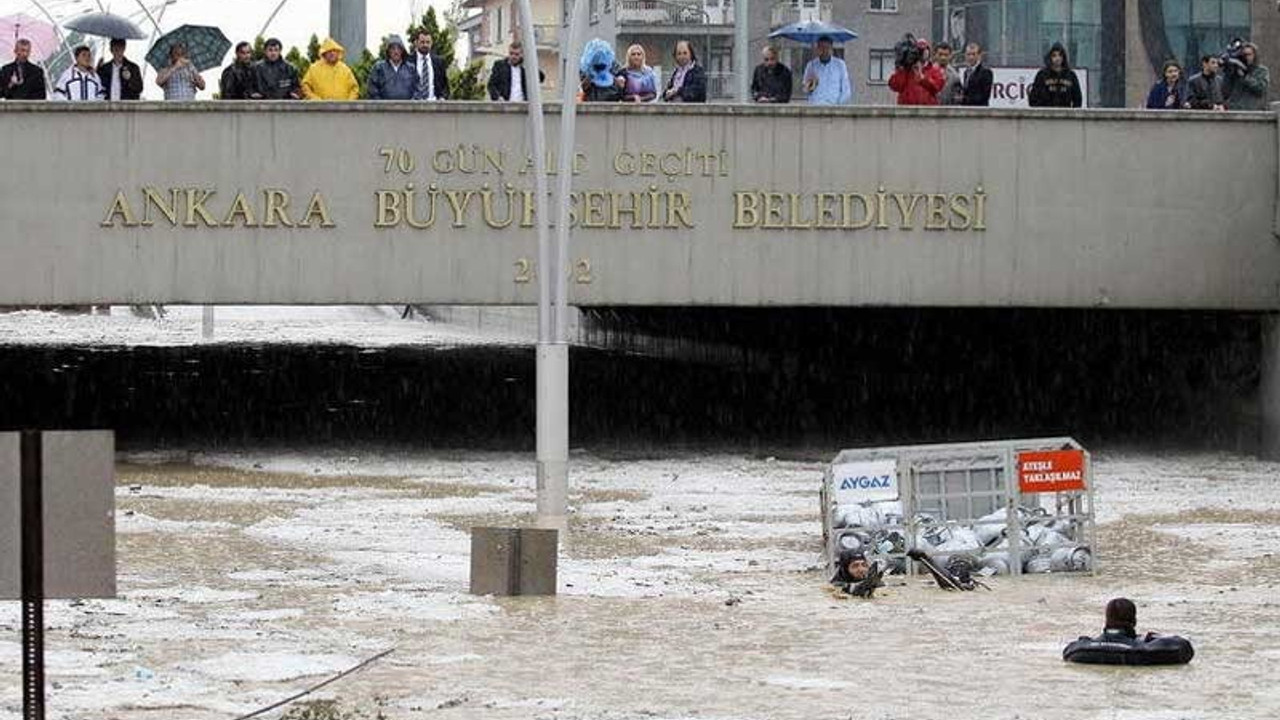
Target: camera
point(1234, 51)
point(907, 52)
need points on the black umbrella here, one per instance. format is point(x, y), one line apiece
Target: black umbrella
point(105, 25)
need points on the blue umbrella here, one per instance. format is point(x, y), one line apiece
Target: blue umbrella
point(809, 32)
point(105, 25)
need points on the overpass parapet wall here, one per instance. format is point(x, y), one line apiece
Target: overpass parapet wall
point(717, 205)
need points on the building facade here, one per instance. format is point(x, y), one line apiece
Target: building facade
point(491, 30)
point(1123, 43)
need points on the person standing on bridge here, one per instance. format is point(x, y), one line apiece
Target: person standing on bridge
point(951, 86)
point(393, 77)
point(1246, 81)
point(240, 79)
point(433, 76)
point(688, 83)
point(918, 84)
point(22, 79)
point(507, 79)
point(1056, 85)
point(1169, 93)
point(826, 77)
point(121, 78)
point(80, 81)
point(180, 80)
point(771, 82)
point(976, 79)
point(330, 78)
point(277, 78)
point(1204, 90)
point(641, 80)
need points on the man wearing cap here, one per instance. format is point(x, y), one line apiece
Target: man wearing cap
point(121, 77)
point(826, 77)
point(277, 77)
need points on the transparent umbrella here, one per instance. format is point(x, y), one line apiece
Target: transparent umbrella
point(43, 36)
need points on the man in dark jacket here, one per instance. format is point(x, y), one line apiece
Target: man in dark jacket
point(121, 78)
point(240, 80)
point(976, 79)
point(21, 79)
point(433, 76)
point(394, 77)
point(1204, 90)
point(771, 82)
point(507, 77)
point(1056, 85)
point(1247, 82)
point(277, 78)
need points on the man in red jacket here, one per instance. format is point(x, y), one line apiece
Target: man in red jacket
point(920, 83)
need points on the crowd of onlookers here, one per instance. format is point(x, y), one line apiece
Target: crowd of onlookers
point(1232, 81)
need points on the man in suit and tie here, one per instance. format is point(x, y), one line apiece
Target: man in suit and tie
point(976, 79)
point(433, 78)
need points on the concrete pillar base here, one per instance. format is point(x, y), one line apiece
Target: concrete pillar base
point(514, 561)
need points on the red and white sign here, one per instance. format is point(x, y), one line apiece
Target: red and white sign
point(1053, 471)
point(1010, 86)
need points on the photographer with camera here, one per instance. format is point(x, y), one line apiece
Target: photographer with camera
point(916, 80)
point(1245, 82)
point(1056, 85)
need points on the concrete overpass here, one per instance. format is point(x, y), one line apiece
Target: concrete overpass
point(675, 206)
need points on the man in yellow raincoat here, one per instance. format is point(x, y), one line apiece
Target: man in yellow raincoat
point(330, 78)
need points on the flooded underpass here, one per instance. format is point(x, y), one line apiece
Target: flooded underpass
point(286, 510)
point(690, 587)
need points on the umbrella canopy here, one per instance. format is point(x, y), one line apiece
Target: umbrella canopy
point(809, 32)
point(206, 46)
point(43, 36)
point(105, 25)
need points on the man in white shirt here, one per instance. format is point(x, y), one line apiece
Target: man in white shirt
point(433, 80)
point(506, 78)
point(80, 82)
point(121, 78)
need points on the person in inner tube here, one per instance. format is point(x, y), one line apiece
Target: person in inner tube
point(855, 575)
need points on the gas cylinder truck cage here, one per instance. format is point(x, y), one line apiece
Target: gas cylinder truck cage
point(960, 485)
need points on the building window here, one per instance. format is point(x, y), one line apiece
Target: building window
point(884, 5)
point(593, 10)
point(1204, 27)
point(880, 66)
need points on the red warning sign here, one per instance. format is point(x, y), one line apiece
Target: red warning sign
point(1054, 471)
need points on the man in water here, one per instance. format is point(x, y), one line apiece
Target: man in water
point(1120, 644)
point(855, 575)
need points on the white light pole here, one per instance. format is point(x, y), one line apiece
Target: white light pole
point(742, 50)
point(553, 346)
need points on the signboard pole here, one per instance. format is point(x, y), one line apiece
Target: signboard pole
point(32, 576)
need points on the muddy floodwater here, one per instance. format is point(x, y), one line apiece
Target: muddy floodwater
point(690, 588)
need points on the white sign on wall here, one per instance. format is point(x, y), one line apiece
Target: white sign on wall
point(871, 481)
point(1010, 87)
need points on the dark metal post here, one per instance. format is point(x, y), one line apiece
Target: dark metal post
point(32, 576)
